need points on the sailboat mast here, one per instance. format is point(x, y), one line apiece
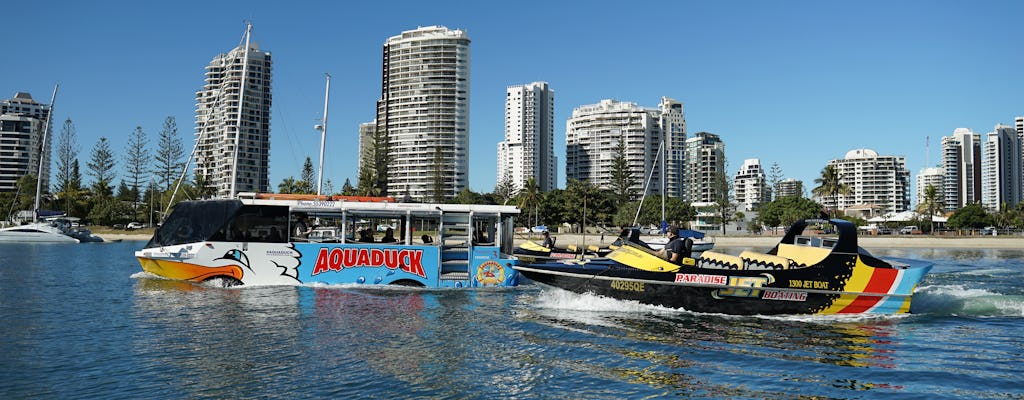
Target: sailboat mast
point(241, 106)
point(661, 152)
point(323, 138)
point(42, 148)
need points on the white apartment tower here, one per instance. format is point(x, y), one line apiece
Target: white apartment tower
point(750, 185)
point(593, 134)
point(1001, 168)
point(705, 162)
point(961, 164)
point(22, 121)
point(424, 112)
point(930, 177)
point(529, 147)
point(874, 180)
point(227, 117)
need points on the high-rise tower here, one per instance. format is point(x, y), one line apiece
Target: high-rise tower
point(424, 112)
point(529, 147)
point(22, 121)
point(223, 111)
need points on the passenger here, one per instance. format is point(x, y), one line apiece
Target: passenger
point(365, 236)
point(677, 247)
point(389, 236)
point(302, 229)
point(548, 241)
point(427, 239)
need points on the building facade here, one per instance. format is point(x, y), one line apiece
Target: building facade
point(875, 181)
point(22, 129)
point(528, 150)
point(930, 177)
point(652, 139)
point(750, 185)
point(961, 164)
point(705, 165)
point(424, 112)
point(233, 125)
point(1001, 172)
point(366, 131)
point(789, 187)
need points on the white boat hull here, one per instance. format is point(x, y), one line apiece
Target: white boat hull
point(34, 233)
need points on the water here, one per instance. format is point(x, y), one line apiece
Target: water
point(82, 321)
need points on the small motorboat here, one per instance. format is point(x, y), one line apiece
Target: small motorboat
point(803, 274)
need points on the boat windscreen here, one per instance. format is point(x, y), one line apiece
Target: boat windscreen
point(194, 221)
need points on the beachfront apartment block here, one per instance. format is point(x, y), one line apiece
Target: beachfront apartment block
point(651, 139)
point(23, 125)
point(961, 164)
point(750, 186)
point(233, 122)
point(875, 181)
point(705, 168)
point(423, 112)
point(1001, 168)
point(528, 150)
point(931, 176)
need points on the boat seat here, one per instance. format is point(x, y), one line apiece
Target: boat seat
point(803, 256)
point(711, 259)
point(755, 260)
point(593, 248)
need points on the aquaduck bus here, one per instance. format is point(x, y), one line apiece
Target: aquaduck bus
point(273, 239)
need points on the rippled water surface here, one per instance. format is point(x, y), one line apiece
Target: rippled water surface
point(82, 321)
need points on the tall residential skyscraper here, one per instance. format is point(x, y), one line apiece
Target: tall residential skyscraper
point(529, 147)
point(961, 164)
point(21, 140)
point(750, 185)
point(223, 111)
point(930, 177)
point(424, 112)
point(874, 180)
point(705, 163)
point(594, 131)
point(1001, 168)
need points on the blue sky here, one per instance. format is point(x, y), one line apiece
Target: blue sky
point(792, 82)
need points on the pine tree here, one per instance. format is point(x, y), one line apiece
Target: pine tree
point(307, 183)
point(169, 153)
point(136, 163)
point(622, 180)
point(67, 154)
point(101, 167)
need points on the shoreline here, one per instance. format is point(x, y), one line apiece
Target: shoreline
point(986, 242)
point(767, 242)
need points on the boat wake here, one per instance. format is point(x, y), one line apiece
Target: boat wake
point(957, 300)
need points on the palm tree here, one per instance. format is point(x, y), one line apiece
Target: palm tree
point(930, 204)
point(530, 197)
point(830, 184)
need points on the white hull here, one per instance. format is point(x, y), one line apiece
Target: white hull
point(34, 233)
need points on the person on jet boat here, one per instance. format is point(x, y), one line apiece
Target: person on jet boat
point(548, 241)
point(677, 247)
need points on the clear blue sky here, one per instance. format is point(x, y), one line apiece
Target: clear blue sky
point(793, 82)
